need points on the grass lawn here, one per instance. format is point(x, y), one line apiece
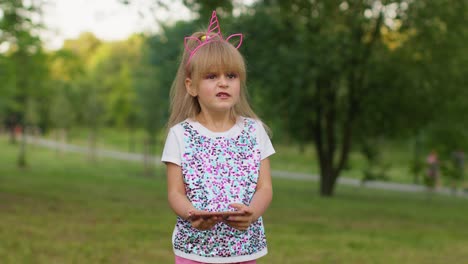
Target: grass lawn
point(62, 209)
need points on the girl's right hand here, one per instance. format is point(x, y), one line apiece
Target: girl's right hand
point(202, 222)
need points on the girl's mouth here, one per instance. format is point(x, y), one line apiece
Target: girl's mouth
point(222, 95)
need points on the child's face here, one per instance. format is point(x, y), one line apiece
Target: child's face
point(217, 91)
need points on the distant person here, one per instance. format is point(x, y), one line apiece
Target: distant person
point(216, 154)
point(433, 169)
point(18, 131)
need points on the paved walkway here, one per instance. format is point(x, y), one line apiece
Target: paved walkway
point(275, 173)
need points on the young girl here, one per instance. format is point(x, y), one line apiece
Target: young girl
point(216, 154)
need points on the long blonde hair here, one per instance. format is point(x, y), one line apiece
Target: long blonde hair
point(217, 56)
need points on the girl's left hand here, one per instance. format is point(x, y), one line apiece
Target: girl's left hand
point(204, 223)
point(240, 222)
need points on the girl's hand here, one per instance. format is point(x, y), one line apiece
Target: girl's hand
point(203, 223)
point(240, 222)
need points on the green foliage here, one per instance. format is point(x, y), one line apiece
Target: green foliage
point(323, 65)
point(93, 105)
point(83, 47)
point(31, 115)
point(61, 112)
point(359, 69)
point(24, 71)
point(160, 60)
point(26, 67)
point(113, 66)
point(376, 169)
point(204, 8)
point(6, 86)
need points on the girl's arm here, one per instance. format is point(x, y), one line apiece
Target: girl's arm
point(264, 192)
point(260, 201)
point(179, 202)
point(176, 192)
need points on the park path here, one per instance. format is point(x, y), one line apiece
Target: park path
point(275, 173)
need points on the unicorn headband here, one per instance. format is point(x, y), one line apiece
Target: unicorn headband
point(213, 34)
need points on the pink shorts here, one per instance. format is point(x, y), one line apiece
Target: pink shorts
point(180, 260)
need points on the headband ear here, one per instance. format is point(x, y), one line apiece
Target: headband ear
point(235, 40)
point(186, 42)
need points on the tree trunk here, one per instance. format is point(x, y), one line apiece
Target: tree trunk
point(332, 158)
point(327, 181)
point(11, 131)
point(417, 166)
point(92, 155)
point(131, 140)
point(325, 132)
point(22, 151)
point(147, 157)
point(57, 139)
point(63, 139)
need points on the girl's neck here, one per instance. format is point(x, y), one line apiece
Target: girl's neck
point(216, 122)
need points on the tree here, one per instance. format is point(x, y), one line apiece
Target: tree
point(326, 46)
point(154, 76)
point(347, 65)
point(431, 60)
point(204, 8)
point(93, 113)
point(26, 62)
point(84, 46)
point(61, 113)
point(66, 70)
point(112, 66)
point(88, 93)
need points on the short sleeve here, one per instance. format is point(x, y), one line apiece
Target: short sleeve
point(172, 148)
point(266, 147)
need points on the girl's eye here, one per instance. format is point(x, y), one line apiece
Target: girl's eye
point(210, 76)
point(232, 75)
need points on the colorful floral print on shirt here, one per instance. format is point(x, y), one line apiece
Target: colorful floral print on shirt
point(217, 172)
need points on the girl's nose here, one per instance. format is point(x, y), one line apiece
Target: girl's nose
point(222, 81)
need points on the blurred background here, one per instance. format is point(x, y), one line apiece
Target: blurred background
point(364, 92)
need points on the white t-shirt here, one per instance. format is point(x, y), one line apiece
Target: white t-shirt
point(219, 168)
point(174, 146)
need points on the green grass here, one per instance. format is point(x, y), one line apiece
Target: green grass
point(66, 210)
point(63, 210)
point(110, 138)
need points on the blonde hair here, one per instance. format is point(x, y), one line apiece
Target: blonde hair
point(215, 56)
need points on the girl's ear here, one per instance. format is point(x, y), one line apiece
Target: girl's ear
point(190, 88)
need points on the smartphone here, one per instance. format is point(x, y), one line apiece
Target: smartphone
point(206, 214)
